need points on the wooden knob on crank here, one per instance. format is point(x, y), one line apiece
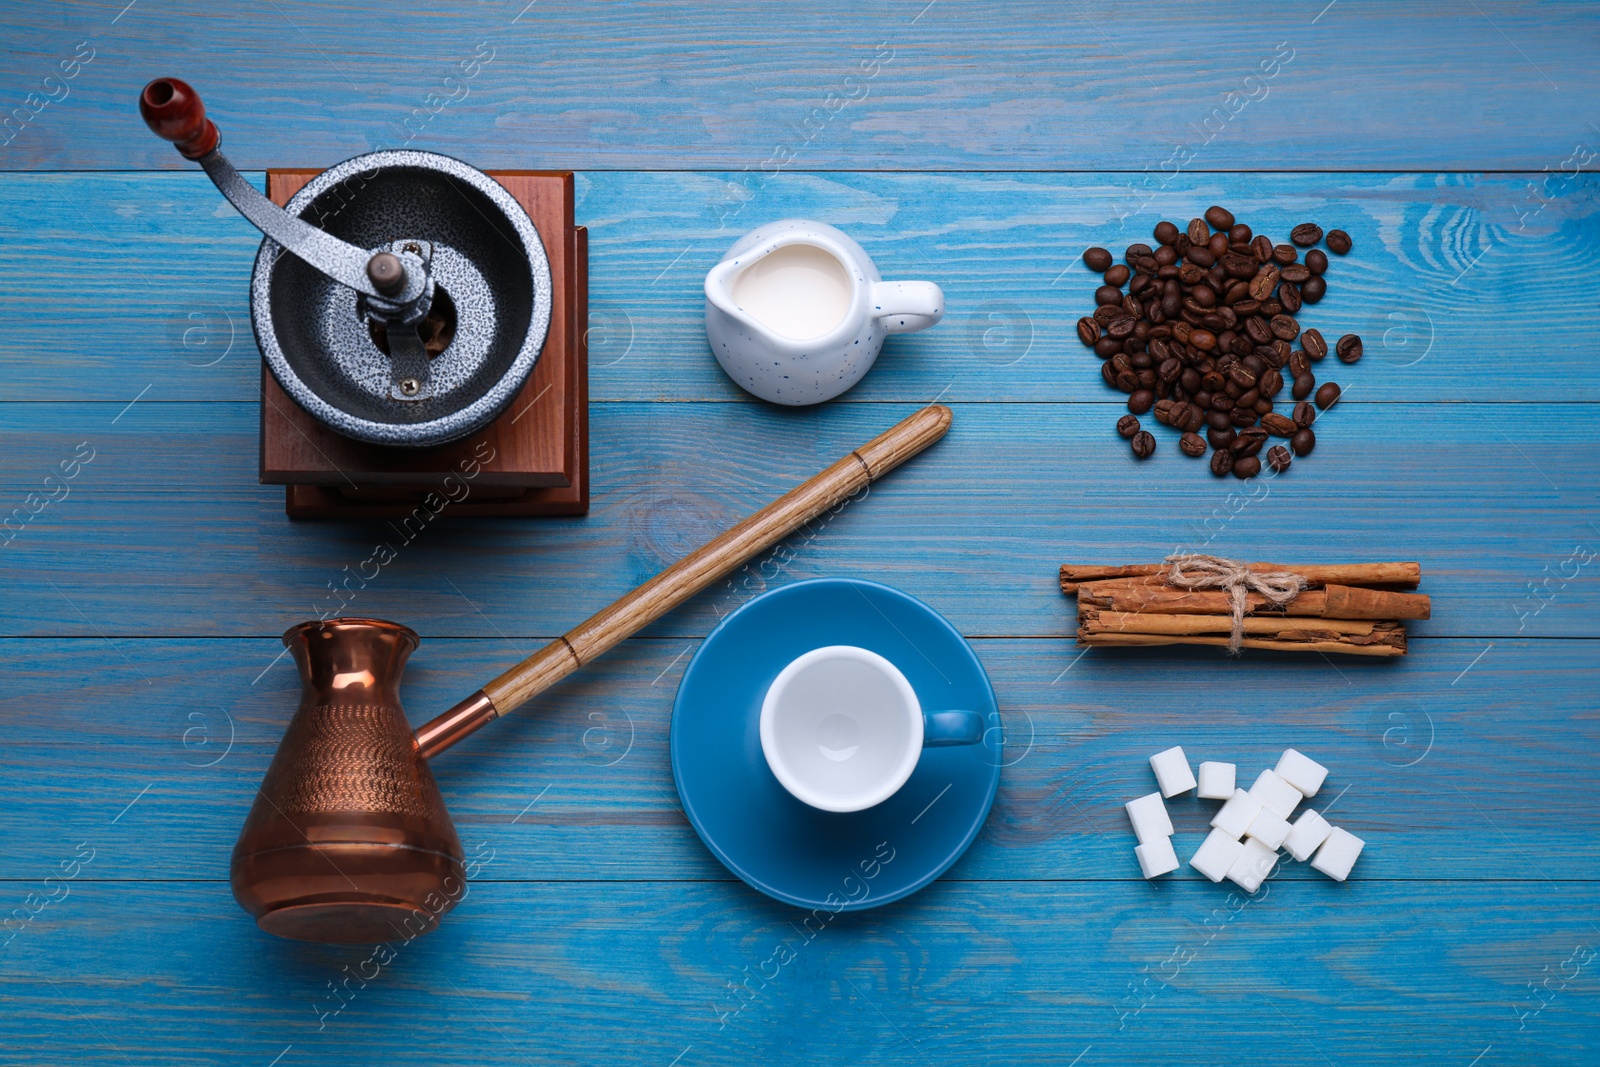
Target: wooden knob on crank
point(173, 111)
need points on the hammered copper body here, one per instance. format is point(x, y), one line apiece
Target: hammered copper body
point(348, 839)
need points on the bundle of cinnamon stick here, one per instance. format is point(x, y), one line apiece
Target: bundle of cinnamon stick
point(1353, 608)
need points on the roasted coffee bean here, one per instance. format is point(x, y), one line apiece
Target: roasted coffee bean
point(1348, 348)
point(1128, 425)
point(1248, 467)
point(1135, 251)
point(1141, 401)
point(1147, 379)
point(1314, 289)
point(1088, 331)
point(1306, 234)
point(1220, 438)
point(1303, 442)
point(1242, 417)
point(1316, 261)
point(1241, 267)
point(1199, 233)
point(1132, 306)
point(1278, 458)
point(1122, 327)
point(1299, 364)
point(1109, 373)
point(1117, 276)
point(1097, 259)
point(1212, 381)
point(1249, 442)
point(1285, 327)
point(1314, 345)
point(1166, 256)
point(1265, 281)
point(1256, 328)
point(1296, 272)
point(1289, 297)
point(1147, 264)
point(1166, 232)
point(1248, 398)
point(1279, 425)
point(1144, 446)
point(1221, 462)
point(1138, 285)
point(1261, 248)
point(1198, 256)
point(1279, 354)
point(1285, 254)
point(1192, 444)
point(1194, 417)
point(1239, 234)
point(1106, 312)
point(1263, 406)
point(1305, 414)
point(1127, 381)
point(1328, 395)
point(1192, 380)
point(1138, 357)
point(1219, 420)
point(1222, 402)
point(1238, 293)
point(1247, 307)
point(1107, 347)
point(1339, 242)
point(1241, 375)
point(1204, 340)
point(1303, 384)
point(1107, 295)
point(1270, 308)
point(1270, 383)
point(1204, 298)
point(1219, 217)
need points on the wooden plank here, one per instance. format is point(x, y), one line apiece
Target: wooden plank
point(153, 271)
point(170, 973)
point(1027, 84)
point(1439, 761)
point(166, 533)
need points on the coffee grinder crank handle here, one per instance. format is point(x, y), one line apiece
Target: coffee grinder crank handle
point(174, 112)
point(684, 579)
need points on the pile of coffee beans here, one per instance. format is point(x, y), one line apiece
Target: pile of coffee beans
point(1203, 338)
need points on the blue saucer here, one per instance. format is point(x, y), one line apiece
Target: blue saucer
point(787, 849)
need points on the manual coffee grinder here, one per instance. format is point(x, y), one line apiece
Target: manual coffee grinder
point(422, 328)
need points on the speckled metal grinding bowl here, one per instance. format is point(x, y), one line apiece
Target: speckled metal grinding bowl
point(487, 259)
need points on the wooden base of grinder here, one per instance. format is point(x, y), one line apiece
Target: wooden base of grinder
point(533, 460)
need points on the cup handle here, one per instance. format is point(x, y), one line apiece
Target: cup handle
point(941, 729)
point(906, 307)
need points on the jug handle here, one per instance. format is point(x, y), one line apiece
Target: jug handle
point(906, 307)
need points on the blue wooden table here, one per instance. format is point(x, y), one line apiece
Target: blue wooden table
point(982, 146)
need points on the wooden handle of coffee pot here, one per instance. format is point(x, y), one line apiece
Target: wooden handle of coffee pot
point(691, 574)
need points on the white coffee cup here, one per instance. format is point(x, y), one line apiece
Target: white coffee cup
point(842, 729)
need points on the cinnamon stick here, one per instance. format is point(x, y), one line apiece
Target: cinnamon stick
point(1404, 574)
point(1345, 647)
point(1095, 622)
point(1334, 602)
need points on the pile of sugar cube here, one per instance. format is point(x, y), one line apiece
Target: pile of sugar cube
point(1249, 828)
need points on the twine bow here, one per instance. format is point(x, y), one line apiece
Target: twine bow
point(1238, 580)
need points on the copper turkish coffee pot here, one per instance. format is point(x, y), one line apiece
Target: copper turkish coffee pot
point(349, 839)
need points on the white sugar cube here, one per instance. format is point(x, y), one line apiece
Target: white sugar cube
point(1309, 831)
point(1156, 857)
point(1269, 828)
point(1216, 855)
point(1275, 794)
point(1235, 817)
point(1338, 854)
point(1149, 818)
point(1255, 862)
point(1172, 771)
point(1301, 771)
point(1216, 780)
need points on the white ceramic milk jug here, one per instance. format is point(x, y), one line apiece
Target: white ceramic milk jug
point(796, 312)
